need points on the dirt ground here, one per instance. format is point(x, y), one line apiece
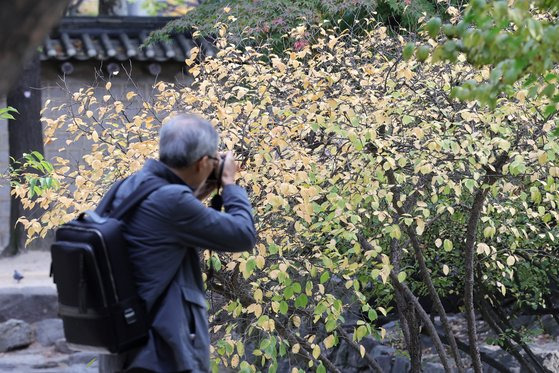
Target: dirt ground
point(33, 265)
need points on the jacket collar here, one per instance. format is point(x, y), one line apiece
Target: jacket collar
point(159, 169)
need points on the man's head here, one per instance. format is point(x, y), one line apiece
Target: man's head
point(188, 145)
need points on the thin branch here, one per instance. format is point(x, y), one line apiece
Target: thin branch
point(475, 214)
point(416, 244)
point(420, 310)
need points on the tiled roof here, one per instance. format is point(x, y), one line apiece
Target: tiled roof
point(117, 38)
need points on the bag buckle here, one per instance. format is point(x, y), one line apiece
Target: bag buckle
point(130, 316)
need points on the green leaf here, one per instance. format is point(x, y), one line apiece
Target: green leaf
point(331, 324)
point(422, 53)
point(5, 112)
point(407, 53)
point(407, 119)
point(301, 301)
point(283, 308)
point(361, 332)
point(288, 292)
point(433, 27)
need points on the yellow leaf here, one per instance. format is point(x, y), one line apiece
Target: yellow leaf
point(260, 261)
point(108, 85)
point(130, 95)
point(258, 295)
point(362, 351)
point(395, 232)
point(332, 42)
point(489, 231)
point(257, 310)
point(277, 64)
point(193, 54)
point(329, 341)
point(106, 98)
point(511, 260)
point(316, 351)
point(446, 270)
point(95, 136)
point(240, 348)
point(420, 226)
point(483, 248)
point(119, 106)
point(235, 361)
point(296, 347)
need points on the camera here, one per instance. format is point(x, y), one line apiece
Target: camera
point(217, 172)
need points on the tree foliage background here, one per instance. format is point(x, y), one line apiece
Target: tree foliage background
point(372, 185)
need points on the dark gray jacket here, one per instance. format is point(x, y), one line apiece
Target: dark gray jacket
point(164, 234)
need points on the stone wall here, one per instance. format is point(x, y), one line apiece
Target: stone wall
point(57, 89)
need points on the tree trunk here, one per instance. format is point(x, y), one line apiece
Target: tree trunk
point(24, 135)
point(23, 26)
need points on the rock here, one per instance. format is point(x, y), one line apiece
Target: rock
point(433, 368)
point(550, 326)
point(385, 362)
point(15, 334)
point(83, 357)
point(390, 325)
point(355, 360)
point(342, 352)
point(30, 304)
point(499, 355)
point(7, 367)
point(353, 357)
point(401, 365)
point(381, 350)
point(45, 365)
point(60, 345)
point(523, 321)
point(427, 342)
point(549, 355)
point(369, 343)
point(48, 331)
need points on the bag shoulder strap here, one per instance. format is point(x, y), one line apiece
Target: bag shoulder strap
point(107, 199)
point(144, 189)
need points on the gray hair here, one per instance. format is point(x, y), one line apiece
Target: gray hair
point(186, 138)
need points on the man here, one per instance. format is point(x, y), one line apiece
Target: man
point(164, 233)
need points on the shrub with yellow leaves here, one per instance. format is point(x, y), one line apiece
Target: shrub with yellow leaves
point(370, 186)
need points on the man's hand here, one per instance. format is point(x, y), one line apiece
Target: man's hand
point(229, 169)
